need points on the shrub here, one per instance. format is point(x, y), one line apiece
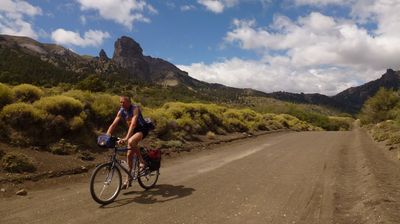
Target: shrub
point(210, 135)
point(62, 148)
point(85, 156)
point(76, 123)
point(394, 139)
point(17, 163)
point(22, 116)
point(105, 107)
point(379, 107)
point(85, 97)
point(92, 83)
point(27, 92)
point(60, 105)
point(380, 135)
point(6, 95)
point(174, 144)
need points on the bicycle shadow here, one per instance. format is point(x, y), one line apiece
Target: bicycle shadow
point(159, 194)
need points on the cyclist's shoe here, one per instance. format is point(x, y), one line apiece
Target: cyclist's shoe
point(126, 185)
point(142, 167)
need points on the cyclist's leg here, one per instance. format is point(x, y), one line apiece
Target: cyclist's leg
point(133, 144)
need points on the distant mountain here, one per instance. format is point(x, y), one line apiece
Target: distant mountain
point(25, 60)
point(315, 98)
point(353, 98)
point(350, 100)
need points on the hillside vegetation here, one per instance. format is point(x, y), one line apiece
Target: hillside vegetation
point(41, 116)
point(64, 120)
point(381, 115)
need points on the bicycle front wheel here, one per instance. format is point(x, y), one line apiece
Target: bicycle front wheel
point(148, 179)
point(105, 183)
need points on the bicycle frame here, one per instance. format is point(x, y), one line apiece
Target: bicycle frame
point(116, 162)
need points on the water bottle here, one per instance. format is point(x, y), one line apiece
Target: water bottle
point(125, 164)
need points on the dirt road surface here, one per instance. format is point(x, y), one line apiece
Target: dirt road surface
point(303, 177)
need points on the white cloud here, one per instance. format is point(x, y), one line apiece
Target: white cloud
point(187, 8)
point(313, 53)
point(13, 15)
point(90, 38)
point(279, 74)
point(322, 2)
point(217, 6)
point(124, 12)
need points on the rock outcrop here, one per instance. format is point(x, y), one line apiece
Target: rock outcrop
point(129, 55)
point(103, 56)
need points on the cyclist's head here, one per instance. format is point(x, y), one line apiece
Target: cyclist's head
point(125, 102)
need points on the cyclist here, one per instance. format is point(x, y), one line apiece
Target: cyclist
point(137, 131)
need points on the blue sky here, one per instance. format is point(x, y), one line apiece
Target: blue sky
point(322, 46)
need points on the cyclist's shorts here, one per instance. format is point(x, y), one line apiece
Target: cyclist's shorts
point(144, 131)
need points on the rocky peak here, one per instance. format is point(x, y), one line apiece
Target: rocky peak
point(128, 48)
point(103, 56)
point(390, 75)
point(129, 55)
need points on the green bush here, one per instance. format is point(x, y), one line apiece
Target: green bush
point(6, 95)
point(66, 106)
point(76, 123)
point(22, 116)
point(62, 147)
point(85, 97)
point(380, 107)
point(17, 163)
point(27, 92)
point(105, 107)
point(92, 83)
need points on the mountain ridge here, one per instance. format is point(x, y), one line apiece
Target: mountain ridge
point(128, 61)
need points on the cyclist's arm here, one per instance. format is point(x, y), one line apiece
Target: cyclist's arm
point(133, 123)
point(114, 124)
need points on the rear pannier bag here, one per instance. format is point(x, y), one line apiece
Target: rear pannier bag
point(152, 158)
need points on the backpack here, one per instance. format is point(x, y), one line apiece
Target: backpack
point(149, 124)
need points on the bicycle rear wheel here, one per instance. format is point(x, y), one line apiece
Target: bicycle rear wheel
point(105, 183)
point(148, 179)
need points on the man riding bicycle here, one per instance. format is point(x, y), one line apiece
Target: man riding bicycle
point(137, 131)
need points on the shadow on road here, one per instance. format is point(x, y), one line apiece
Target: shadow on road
point(158, 194)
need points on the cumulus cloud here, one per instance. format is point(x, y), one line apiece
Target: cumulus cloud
point(185, 8)
point(322, 2)
point(217, 6)
point(90, 38)
point(13, 18)
point(312, 53)
point(279, 74)
point(124, 12)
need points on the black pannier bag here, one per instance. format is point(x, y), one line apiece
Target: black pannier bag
point(152, 157)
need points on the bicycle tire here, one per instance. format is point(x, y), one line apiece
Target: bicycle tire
point(116, 178)
point(147, 179)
